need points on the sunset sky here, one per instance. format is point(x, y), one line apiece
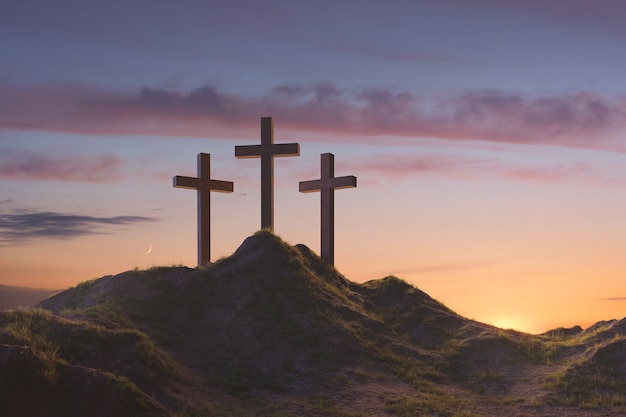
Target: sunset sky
point(488, 138)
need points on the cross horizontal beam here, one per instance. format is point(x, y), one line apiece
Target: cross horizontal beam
point(195, 183)
point(337, 183)
point(258, 151)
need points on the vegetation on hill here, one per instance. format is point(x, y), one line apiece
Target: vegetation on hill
point(273, 330)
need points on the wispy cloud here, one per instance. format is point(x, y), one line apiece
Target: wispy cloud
point(615, 299)
point(404, 166)
point(397, 55)
point(452, 266)
point(583, 120)
point(30, 165)
point(560, 172)
point(21, 225)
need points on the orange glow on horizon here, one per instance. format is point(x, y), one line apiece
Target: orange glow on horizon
point(513, 323)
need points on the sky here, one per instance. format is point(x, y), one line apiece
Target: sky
point(488, 138)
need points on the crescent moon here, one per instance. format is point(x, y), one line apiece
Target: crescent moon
point(149, 250)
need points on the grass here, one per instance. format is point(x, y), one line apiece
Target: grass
point(587, 388)
point(487, 375)
point(592, 383)
point(108, 313)
point(126, 352)
point(158, 268)
point(324, 405)
point(538, 350)
point(430, 398)
point(31, 328)
point(77, 294)
point(431, 405)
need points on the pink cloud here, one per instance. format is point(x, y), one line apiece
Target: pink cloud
point(405, 166)
point(583, 120)
point(34, 166)
point(575, 171)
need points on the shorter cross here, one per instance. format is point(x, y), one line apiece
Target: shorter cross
point(204, 184)
point(267, 150)
point(327, 186)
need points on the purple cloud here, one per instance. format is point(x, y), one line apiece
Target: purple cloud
point(582, 120)
point(21, 225)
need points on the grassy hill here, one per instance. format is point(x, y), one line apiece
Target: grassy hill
point(274, 331)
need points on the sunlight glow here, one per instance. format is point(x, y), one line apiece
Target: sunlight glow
point(511, 323)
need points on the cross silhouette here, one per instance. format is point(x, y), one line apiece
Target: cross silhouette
point(267, 150)
point(327, 185)
point(204, 184)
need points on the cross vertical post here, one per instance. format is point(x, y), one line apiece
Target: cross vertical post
point(267, 150)
point(327, 185)
point(204, 185)
point(267, 175)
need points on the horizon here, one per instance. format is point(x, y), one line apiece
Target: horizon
point(488, 140)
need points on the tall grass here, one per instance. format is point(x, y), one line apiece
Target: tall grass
point(31, 328)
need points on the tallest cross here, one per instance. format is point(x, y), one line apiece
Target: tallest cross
point(267, 150)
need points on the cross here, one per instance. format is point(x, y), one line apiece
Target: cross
point(204, 184)
point(267, 150)
point(327, 186)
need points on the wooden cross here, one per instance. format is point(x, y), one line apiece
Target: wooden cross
point(204, 184)
point(267, 150)
point(327, 186)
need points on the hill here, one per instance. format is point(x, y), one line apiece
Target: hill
point(274, 331)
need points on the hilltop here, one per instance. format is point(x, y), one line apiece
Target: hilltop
point(272, 330)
